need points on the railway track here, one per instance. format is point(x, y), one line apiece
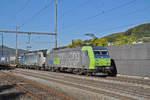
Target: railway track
point(131, 80)
point(19, 87)
point(118, 91)
point(116, 80)
point(35, 90)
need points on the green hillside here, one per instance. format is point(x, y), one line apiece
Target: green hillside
point(138, 33)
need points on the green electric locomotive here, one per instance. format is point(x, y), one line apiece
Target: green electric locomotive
point(86, 60)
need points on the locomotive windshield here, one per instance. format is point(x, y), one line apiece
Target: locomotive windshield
point(100, 52)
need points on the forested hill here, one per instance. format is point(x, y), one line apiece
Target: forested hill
point(138, 33)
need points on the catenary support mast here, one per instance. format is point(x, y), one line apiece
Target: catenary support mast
point(2, 44)
point(56, 4)
point(17, 44)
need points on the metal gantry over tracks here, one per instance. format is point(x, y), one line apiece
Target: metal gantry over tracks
point(21, 32)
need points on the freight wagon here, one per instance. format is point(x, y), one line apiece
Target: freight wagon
point(4, 60)
point(12, 61)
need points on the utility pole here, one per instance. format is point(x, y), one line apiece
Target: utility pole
point(16, 44)
point(2, 43)
point(28, 42)
point(56, 4)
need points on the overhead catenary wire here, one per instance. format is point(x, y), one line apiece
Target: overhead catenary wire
point(116, 27)
point(24, 6)
point(36, 14)
point(64, 13)
point(126, 25)
point(120, 26)
point(127, 14)
point(100, 13)
point(74, 8)
point(21, 9)
point(7, 26)
point(111, 9)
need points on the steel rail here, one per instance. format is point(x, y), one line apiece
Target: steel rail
point(132, 92)
point(140, 93)
point(37, 85)
point(21, 88)
point(81, 87)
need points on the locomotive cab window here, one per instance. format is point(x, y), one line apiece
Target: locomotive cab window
point(105, 53)
point(97, 53)
point(100, 52)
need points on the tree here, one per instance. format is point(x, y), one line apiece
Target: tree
point(124, 40)
point(75, 43)
point(99, 42)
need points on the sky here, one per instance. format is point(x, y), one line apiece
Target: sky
point(75, 18)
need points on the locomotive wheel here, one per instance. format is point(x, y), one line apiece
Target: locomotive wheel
point(53, 69)
point(89, 74)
